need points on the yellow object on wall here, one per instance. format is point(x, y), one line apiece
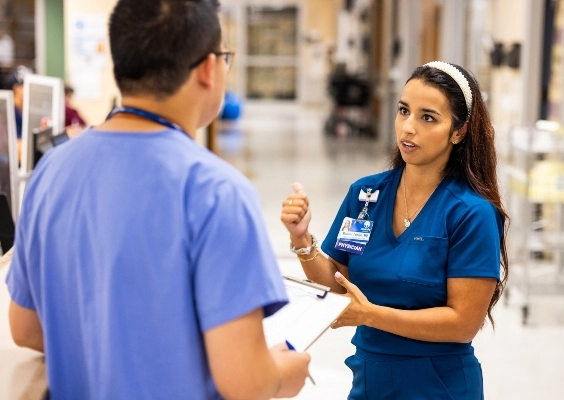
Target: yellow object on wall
point(546, 182)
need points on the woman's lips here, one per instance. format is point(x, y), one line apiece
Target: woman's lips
point(408, 146)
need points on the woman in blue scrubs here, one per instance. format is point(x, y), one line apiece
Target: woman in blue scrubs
point(422, 261)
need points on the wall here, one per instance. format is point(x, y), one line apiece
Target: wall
point(94, 111)
point(17, 20)
point(506, 22)
point(321, 16)
point(320, 32)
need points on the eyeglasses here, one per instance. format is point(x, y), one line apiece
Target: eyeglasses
point(228, 55)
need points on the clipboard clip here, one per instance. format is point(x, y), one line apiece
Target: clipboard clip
point(322, 288)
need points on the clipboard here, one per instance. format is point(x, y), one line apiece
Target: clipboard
point(310, 312)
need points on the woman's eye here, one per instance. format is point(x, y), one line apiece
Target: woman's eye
point(402, 110)
point(428, 118)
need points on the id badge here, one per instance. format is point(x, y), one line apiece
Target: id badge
point(354, 235)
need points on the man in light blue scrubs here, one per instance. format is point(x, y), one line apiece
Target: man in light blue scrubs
point(142, 267)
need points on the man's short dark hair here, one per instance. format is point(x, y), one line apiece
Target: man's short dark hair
point(155, 43)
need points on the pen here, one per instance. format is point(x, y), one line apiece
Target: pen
point(291, 347)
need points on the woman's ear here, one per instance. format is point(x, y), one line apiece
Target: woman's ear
point(459, 134)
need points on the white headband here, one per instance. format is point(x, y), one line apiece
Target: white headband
point(459, 78)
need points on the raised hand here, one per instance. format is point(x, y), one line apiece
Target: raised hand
point(295, 212)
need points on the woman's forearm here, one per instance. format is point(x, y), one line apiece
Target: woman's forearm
point(316, 266)
point(322, 271)
point(457, 321)
point(438, 324)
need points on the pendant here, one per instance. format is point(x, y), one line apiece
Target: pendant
point(406, 222)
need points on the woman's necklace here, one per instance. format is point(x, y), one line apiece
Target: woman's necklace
point(407, 219)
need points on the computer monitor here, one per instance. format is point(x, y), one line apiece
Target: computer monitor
point(44, 107)
point(44, 140)
point(9, 201)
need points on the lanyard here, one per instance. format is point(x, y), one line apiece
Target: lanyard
point(147, 115)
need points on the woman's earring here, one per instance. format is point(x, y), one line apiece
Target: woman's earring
point(455, 141)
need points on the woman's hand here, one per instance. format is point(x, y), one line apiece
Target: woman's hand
point(295, 212)
point(355, 314)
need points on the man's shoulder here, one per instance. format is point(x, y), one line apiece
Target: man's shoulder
point(213, 173)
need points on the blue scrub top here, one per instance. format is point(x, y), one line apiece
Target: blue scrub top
point(130, 246)
point(456, 234)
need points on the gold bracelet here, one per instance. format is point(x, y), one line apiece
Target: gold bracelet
point(312, 258)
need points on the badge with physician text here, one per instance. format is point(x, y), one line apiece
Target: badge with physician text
point(354, 235)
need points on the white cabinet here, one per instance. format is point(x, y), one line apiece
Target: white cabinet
point(266, 40)
point(535, 177)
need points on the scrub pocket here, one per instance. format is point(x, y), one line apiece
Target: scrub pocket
point(372, 380)
point(357, 366)
point(461, 375)
point(425, 261)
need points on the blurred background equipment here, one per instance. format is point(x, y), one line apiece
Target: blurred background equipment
point(44, 107)
point(535, 174)
point(350, 114)
point(9, 182)
point(232, 107)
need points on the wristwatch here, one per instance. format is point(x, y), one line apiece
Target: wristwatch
point(304, 250)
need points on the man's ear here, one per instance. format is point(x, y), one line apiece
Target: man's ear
point(205, 72)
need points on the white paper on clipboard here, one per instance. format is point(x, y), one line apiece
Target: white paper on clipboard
point(311, 310)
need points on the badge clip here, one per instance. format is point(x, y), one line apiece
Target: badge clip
point(364, 213)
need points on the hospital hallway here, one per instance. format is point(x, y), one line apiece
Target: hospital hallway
point(275, 147)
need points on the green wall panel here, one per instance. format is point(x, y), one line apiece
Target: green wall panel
point(55, 38)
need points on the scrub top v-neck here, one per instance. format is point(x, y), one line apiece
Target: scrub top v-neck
point(390, 202)
point(456, 234)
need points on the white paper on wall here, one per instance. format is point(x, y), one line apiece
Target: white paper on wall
point(88, 54)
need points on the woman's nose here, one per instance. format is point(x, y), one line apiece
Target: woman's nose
point(408, 125)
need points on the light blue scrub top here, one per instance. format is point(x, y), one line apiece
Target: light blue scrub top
point(130, 246)
point(456, 234)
